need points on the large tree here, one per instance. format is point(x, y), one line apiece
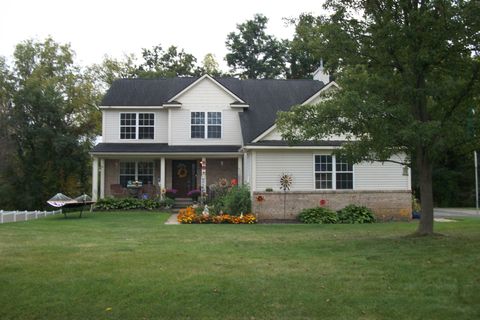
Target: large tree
point(172, 62)
point(50, 120)
point(409, 77)
point(304, 56)
point(254, 54)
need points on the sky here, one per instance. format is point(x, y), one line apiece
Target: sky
point(106, 27)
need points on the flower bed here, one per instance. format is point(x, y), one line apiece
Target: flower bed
point(188, 216)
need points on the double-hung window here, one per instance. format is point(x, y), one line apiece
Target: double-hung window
point(136, 171)
point(332, 173)
point(133, 125)
point(206, 125)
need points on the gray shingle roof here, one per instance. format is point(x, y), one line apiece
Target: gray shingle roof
point(265, 97)
point(159, 148)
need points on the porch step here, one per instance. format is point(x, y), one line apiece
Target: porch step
point(182, 203)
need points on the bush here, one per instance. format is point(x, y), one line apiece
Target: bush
point(237, 200)
point(131, 204)
point(355, 214)
point(318, 215)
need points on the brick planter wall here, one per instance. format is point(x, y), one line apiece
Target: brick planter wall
point(387, 205)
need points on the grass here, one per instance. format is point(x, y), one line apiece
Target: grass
point(132, 266)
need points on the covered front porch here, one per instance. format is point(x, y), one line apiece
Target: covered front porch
point(147, 175)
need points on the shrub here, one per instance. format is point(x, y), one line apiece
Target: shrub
point(237, 200)
point(130, 204)
point(355, 214)
point(318, 215)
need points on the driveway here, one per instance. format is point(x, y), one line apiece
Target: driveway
point(455, 213)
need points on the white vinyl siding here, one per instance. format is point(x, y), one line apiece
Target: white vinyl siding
point(300, 164)
point(271, 165)
point(378, 176)
point(111, 126)
point(206, 96)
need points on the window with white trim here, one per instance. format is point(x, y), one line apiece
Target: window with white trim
point(212, 127)
point(130, 128)
point(332, 173)
point(128, 125)
point(198, 125)
point(136, 171)
point(146, 125)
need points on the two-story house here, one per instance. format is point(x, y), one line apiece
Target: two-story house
point(164, 132)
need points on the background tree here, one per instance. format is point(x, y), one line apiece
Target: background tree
point(254, 54)
point(304, 54)
point(110, 69)
point(167, 63)
point(409, 73)
point(210, 66)
point(51, 121)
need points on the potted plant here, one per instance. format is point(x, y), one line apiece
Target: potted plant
point(171, 193)
point(194, 194)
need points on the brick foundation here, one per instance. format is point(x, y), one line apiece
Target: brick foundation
point(386, 205)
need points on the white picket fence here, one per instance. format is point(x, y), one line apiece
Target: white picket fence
point(14, 216)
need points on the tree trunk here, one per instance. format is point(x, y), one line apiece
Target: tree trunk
point(424, 167)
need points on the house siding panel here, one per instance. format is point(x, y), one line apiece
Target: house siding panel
point(111, 126)
point(205, 96)
point(378, 176)
point(271, 165)
point(299, 164)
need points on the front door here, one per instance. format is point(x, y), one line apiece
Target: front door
point(184, 176)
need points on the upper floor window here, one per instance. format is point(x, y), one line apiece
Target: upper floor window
point(212, 126)
point(332, 173)
point(130, 128)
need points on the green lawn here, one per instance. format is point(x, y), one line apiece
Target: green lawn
point(132, 266)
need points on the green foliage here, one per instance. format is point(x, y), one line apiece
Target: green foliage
point(253, 53)
point(167, 63)
point(355, 214)
point(304, 56)
point(108, 204)
point(409, 77)
point(49, 120)
point(318, 215)
point(238, 201)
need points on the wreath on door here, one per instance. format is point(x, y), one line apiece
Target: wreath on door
point(182, 171)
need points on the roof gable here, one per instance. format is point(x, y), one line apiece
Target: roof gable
point(198, 81)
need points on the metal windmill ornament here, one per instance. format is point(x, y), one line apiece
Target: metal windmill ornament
point(286, 181)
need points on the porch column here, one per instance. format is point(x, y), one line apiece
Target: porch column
point(254, 172)
point(162, 173)
point(102, 178)
point(203, 177)
point(240, 170)
point(95, 179)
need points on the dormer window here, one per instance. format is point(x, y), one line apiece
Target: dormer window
point(130, 128)
point(212, 125)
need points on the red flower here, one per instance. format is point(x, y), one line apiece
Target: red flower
point(323, 202)
point(234, 182)
point(260, 198)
